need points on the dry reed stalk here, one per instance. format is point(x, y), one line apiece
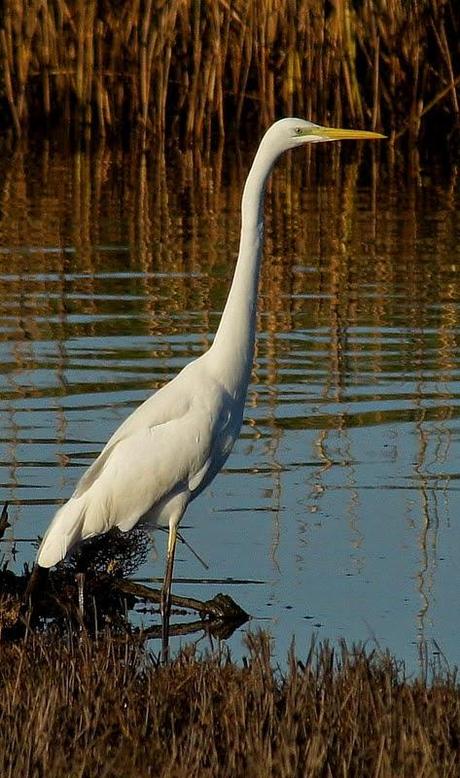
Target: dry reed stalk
point(7, 82)
point(145, 61)
point(73, 707)
point(444, 47)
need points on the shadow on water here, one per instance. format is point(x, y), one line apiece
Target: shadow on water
point(342, 493)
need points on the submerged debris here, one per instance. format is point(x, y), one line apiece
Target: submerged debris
point(110, 597)
point(118, 554)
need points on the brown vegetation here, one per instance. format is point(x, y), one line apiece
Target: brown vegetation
point(199, 68)
point(79, 708)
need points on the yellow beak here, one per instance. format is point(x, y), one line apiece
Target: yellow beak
point(332, 133)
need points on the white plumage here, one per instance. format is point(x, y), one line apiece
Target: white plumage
point(160, 458)
point(171, 447)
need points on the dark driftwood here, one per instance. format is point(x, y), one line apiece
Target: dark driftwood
point(219, 607)
point(42, 598)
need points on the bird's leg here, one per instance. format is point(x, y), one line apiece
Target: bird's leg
point(80, 578)
point(166, 593)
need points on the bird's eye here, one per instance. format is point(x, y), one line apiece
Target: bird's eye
point(298, 130)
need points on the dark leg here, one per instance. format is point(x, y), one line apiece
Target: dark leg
point(166, 594)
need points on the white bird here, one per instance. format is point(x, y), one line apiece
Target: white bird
point(171, 447)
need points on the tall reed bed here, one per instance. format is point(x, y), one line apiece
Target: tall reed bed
point(201, 67)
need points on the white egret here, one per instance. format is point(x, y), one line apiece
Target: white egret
point(171, 447)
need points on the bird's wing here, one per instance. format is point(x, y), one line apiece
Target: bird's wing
point(135, 435)
point(147, 469)
point(140, 473)
point(180, 435)
point(133, 475)
point(163, 407)
point(93, 471)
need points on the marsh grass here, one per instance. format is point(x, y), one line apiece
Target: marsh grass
point(78, 708)
point(202, 68)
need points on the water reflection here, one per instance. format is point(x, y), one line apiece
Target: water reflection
point(342, 492)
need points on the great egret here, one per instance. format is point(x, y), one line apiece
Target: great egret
point(171, 447)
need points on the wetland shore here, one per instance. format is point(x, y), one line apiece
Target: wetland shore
point(79, 707)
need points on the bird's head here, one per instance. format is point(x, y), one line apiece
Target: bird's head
point(290, 133)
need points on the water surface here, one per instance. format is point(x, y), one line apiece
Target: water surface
point(339, 507)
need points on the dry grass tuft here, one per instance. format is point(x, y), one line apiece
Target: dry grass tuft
point(74, 707)
point(200, 68)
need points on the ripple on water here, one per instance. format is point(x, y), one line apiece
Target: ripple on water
point(341, 499)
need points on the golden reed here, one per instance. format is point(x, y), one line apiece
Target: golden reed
point(201, 67)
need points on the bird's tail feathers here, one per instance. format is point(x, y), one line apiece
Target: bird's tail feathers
point(64, 532)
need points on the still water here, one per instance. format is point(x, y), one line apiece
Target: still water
point(338, 513)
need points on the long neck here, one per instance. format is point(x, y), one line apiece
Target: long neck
point(233, 347)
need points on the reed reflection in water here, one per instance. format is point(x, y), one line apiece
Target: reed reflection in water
point(342, 493)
